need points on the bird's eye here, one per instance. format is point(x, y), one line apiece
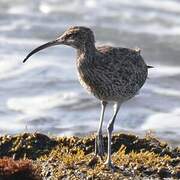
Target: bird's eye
point(68, 36)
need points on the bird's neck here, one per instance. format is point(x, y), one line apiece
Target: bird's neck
point(87, 50)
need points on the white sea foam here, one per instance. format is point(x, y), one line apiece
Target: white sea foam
point(153, 28)
point(37, 104)
point(21, 41)
point(11, 126)
point(18, 9)
point(151, 10)
point(152, 21)
point(152, 17)
point(165, 5)
point(162, 121)
point(7, 66)
point(12, 68)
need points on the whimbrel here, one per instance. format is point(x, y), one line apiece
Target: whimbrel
point(111, 74)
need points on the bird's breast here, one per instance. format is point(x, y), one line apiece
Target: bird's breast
point(85, 76)
point(112, 81)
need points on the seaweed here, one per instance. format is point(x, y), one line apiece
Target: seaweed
point(25, 145)
point(73, 157)
point(11, 169)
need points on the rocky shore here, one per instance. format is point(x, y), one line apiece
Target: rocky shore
point(37, 156)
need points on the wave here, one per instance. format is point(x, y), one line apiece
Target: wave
point(165, 5)
point(163, 121)
point(45, 89)
point(155, 17)
point(37, 104)
point(162, 70)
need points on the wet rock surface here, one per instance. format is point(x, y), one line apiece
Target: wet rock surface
point(73, 157)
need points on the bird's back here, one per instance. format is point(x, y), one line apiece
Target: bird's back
point(114, 74)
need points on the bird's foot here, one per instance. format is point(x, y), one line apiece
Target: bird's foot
point(108, 164)
point(93, 161)
point(99, 146)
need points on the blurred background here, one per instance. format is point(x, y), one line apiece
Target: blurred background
point(44, 94)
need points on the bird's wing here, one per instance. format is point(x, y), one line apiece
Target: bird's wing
point(118, 57)
point(123, 66)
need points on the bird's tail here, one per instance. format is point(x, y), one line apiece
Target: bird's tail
point(150, 66)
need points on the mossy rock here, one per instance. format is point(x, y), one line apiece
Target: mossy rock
point(73, 157)
point(25, 145)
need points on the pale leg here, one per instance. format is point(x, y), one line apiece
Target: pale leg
point(99, 144)
point(109, 130)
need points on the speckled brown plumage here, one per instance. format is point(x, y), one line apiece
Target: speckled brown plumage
point(109, 73)
point(112, 74)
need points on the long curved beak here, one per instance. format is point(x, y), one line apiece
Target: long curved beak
point(49, 44)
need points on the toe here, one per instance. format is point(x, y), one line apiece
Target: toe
point(109, 166)
point(92, 162)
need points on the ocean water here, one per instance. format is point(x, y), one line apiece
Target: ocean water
point(44, 94)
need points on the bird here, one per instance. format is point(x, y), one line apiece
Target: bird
point(112, 74)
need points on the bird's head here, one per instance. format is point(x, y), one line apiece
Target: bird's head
point(77, 37)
